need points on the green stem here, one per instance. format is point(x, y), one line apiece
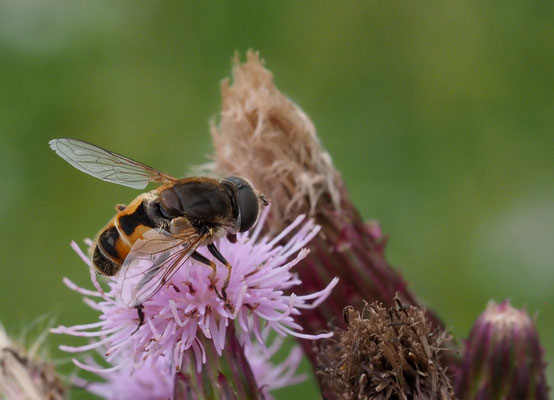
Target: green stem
point(225, 377)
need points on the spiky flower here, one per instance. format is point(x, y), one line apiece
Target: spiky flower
point(24, 375)
point(503, 358)
point(186, 321)
point(385, 353)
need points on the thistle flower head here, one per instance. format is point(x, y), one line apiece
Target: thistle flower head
point(502, 357)
point(187, 310)
point(384, 354)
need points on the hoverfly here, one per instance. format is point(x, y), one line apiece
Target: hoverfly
point(160, 229)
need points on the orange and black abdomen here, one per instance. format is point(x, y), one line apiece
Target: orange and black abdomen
point(116, 239)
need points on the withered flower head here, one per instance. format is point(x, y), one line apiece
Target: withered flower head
point(24, 375)
point(503, 358)
point(265, 136)
point(385, 353)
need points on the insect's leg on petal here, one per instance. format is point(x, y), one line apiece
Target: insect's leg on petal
point(215, 252)
point(203, 260)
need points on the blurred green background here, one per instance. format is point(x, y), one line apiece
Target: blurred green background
point(439, 115)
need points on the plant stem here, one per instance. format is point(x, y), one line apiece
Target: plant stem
point(225, 377)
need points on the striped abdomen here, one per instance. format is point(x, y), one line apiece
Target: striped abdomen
point(116, 239)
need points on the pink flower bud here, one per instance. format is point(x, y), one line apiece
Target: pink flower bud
point(503, 358)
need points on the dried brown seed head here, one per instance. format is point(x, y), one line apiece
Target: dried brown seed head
point(386, 353)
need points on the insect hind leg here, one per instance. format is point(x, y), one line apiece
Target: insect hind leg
point(201, 259)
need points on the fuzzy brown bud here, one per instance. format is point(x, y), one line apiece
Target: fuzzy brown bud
point(266, 137)
point(385, 353)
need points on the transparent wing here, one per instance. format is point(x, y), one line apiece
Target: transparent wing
point(105, 165)
point(152, 262)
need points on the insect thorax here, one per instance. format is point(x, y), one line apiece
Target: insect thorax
point(202, 202)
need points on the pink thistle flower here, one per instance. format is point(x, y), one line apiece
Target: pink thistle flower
point(187, 310)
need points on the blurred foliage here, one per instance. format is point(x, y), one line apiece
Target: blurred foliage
point(439, 115)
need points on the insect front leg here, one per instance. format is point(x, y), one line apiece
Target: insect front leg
point(215, 252)
point(201, 259)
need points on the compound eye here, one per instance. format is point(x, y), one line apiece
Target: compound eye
point(249, 207)
point(246, 200)
point(169, 204)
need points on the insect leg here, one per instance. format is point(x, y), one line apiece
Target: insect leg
point(201, 259)
point(215, 252)
point(140, 313)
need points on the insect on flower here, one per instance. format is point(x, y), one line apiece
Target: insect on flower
point(153, 235)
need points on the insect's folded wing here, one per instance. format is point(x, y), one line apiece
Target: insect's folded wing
point(107, 165)
point(151, 263)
